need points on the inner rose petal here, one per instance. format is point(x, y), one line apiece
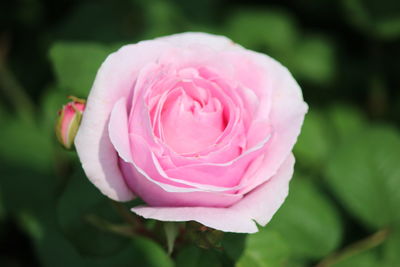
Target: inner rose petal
point(191, 122)
point(209, 92)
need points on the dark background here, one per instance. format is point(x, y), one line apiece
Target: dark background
point(344, 201)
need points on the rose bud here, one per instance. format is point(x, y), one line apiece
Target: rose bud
point(69, 118)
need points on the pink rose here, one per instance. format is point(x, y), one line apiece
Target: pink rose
point(197, 126)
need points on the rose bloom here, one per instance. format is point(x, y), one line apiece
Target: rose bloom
point(197, 126)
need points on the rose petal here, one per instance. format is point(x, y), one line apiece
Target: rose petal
point(227, 174)
point(259, 205)
point(187, 126)
point(286, 117)
point(188, 39)
point(161, 194)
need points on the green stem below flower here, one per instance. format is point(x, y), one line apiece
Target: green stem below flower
point(134, 221)
point(369, 242)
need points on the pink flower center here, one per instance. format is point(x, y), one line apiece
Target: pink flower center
point(190, 122)
point(186, 112)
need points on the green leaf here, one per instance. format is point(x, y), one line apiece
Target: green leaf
point(263, 249)
point(171, 232)
point(274, 30)
point(54, 250)
point(27, 181)
point(379, 19)
point(38, 220)
point(391, 256)
point(24, 144)
point(76, 65)
point(139, 252)
point(85, 216)
point(314, 60)
point(2, 114)
point(51, 102)
point(30, 224)
point(364, 174)
point(364, 259)
point(307, 221)
point(192, 256)
point(234, 245)
point(346, 121)
point(314, 143)
point(162, 18)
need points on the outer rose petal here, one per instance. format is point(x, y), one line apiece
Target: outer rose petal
point(286, 117)
point(163, 195)
point(197, 38)
point(259, 205)
point(115, 79)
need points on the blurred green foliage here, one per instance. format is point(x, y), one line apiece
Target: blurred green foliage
point(75, 65)
point(343, 205)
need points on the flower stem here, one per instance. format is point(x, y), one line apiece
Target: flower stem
point(98, 222)
point(134, 221)
point(367, 243)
